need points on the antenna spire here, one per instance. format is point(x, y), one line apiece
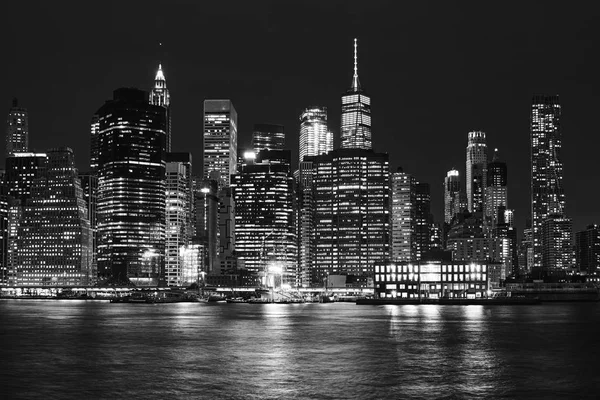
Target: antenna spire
point(355, 82)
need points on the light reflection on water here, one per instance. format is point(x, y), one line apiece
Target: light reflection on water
point(64, 349)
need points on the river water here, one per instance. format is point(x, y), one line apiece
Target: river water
point(58, 349)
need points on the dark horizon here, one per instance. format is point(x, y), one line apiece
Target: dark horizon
point(434, 72)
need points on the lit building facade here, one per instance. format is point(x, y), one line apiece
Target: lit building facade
point(402, 216)
point(131, 189)
point(54, 240)
point(265, 217)
point(476, 175)
point(587, 250)
point(356, 114)
point(89, 185)
point(17, 129)
point(179, 226)
point(547, 193)
point(496, 192)
point(557, 242)
point(315, 138)
point(159, 96)
point(451, 194)
point(431, 279)
point(352, 213)
point(306, 224)
point(220, 141)
point(268, 136)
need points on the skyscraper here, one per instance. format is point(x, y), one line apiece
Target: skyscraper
point(451, 194)
point(557, 242)
point(17, 129)
point(265, 223)
point(131, 188)
point(315, 138)
point(496, 192)
point(220, 141)
point(402, 216)
point(306, 223)
point(547, 193)
point(476, 170)
point(178, 219)
point(54, 240)
point(268, 136)
point(356, 113)
point(352, 216)
point(159, 96)
point(587, 250)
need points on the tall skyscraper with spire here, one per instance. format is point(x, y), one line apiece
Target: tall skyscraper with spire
point(159, 96)
point(17, 129)
point(547, 193)
point(476, 170)
point(356, 114)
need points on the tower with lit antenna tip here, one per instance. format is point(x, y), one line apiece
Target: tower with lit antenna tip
point(159, 96)
point(356, 113)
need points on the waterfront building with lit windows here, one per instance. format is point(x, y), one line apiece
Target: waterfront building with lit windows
point(315, 137)
point(54, 240)
point(352, 214)
point(431, 279)
point(557, 243)
point(178, 218)
point(476, 175)
point(496, 191)
point(451, 194)
point(268, 136)
point(356, 113)
point(587, 250)
point(265, 225)
point(17, 129)
point(547, 192)
point(220, 141)
point(159, 96)
point(131, 189)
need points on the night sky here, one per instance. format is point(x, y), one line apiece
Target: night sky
point(434, 71)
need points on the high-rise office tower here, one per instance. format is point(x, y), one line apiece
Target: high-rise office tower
point(402, 216)
point(54, 241)
point(220, 141)
point(179, 203)
point(315, 138)
point(268, 136)
point(89, 185)
point(587, 250)
point(496, 195)
point(94, 124)
point(131, 188)
point(352, 216)
point(206, 216)
point(356, 114)
point(557, 242)
point(306, 223)
point(451, 194)
point(265, 223)
point(547, 193)
point(17, 129)
point(476, 170)
point(3, 231)
point(423, 220)
point(159, 96)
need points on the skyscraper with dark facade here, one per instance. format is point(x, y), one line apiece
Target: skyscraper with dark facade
point(268, 136)
point(220, 141)
point(587, 250)
point(159, 96)
point(265, 217)
point(356, 114)
point(131, 188)
point(496, 191)
point(54, 240)
point(17, 129)
point(476, 175)
point(352, 213)
point(451, 194)
point(547, 193)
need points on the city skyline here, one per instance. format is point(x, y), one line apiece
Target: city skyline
point(406, 83)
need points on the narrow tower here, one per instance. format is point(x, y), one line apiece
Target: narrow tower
point(17, 129)
point(476, 170)
point(159, 96)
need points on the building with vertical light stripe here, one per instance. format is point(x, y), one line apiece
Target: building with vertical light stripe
point(356, 114)
point(476, 175)
point(268, 136)
point(315, 137)
point(220, 141)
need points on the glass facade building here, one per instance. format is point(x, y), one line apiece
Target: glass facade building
point(131, 189)
point(17, 129)
point(315, 138)
point(451, 195)
point(496, 192)
point(476, 166)
point(268, 136)
point(220, 141)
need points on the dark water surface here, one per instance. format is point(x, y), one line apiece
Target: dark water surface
point(77, 349)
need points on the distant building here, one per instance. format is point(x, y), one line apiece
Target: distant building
point(131, 189)
point(54, 240)
point(315, 138)
point(17, 129)
point(451, 195)
point(496, 193)
point(557, 243)
point(159, 96)
point(306, 224)
point(268, 136)
point(220, 141)
point(356, 114)
point(89, 185)
point(587, 250)
point(206, 216)
point(476, 170)
point(403, 247)
point(547, 192)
